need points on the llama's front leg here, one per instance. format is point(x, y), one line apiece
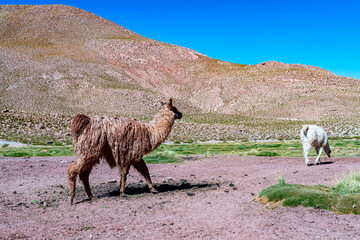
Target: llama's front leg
point(124, 173)
point(84, 177)
point(72, 176)
point(318, 152)
point(306, 149)
point(143, 169)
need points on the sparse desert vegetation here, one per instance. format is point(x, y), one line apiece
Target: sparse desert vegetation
point(44, 128)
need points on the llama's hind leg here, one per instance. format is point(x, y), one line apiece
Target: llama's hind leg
point(124, 172)
point(318, 152)
point(84, 177)
point(306, 149)
point(143, 169)
point(73, 171)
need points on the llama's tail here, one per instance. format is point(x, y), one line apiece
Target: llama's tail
point(79, 122)
point(305, 130)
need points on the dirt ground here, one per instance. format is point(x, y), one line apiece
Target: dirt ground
point(207, 198)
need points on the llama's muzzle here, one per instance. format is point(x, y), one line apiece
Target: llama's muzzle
point(178, 114)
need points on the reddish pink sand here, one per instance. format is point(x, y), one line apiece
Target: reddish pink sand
point(34, 201)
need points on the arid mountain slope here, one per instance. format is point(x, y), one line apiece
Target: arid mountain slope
point(60, 59)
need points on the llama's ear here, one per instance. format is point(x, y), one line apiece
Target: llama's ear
point(170, 102)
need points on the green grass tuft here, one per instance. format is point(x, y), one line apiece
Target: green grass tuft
point(318, 196)
point(281, 180)
point(349, 184)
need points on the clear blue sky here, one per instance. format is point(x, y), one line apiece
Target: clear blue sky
point(313, 32)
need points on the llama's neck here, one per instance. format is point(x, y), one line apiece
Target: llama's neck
point(160, 127)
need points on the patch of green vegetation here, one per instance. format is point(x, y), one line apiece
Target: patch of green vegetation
point(171, 153)
point(37, 151)
point(317, 196)
point(237, 148)
point(163, 157)
point(349, 184)
point(267, 154)
point(86, 228)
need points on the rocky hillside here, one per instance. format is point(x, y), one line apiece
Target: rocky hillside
point(58, 59)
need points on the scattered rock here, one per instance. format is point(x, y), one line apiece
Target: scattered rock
point(295, 172)
point(22, 204)
point(190, 194)
point(231, 185)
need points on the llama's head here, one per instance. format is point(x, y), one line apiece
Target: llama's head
point(169, 107)
point(327, 150)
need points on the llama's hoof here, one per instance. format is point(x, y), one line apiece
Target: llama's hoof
point(123, 195)
point(308, 164)
point(154, 191)
point(71, 200)
point(318, 163)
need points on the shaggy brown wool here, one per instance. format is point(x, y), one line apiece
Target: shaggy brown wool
point(121, 142)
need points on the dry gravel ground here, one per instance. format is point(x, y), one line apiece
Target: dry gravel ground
point(207, 198)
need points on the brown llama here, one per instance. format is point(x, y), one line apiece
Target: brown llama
point(121, 142)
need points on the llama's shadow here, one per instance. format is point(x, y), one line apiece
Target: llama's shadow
point(328, 162)
point(137, 188)
point(106, 190)
point(322, 163)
